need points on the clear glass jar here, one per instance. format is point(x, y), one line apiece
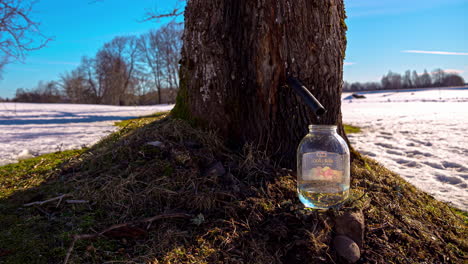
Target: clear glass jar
point(323, 168)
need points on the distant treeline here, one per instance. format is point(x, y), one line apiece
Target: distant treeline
point(410, 79)
point(129, 70)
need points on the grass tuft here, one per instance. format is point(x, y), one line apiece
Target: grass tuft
point(32, 172)
point(349, 129)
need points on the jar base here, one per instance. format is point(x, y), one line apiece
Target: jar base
point(323, 200)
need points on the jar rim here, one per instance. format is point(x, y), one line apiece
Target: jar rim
point(323, 127)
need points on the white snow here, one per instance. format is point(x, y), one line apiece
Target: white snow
point(25, 154)
point(35, 129)
point(422, 135)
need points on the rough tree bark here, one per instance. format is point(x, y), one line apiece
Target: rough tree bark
point(235, 60)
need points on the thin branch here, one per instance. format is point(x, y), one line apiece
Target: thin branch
point(18, 32)
point(152, 16)
point(47, 201)
point(177, 11)
point(76, 201)
point(70, 250)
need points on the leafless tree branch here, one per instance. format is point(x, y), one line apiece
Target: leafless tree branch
point(152, 15)
point(47, 201)
point(18, 32)
point(149, 15)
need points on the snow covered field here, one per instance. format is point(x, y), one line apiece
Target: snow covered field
point(422, 135)
point(44, 128)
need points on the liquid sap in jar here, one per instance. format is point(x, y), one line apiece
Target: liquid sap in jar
point(323, 165)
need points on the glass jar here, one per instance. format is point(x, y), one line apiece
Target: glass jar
point(323, 168)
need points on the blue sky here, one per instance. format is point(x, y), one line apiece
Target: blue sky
point(382, 35)
point(379, 33)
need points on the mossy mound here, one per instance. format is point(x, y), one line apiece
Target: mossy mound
point(186, 198)
point(349, 129)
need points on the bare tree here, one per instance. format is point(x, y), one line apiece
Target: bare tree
point(453, 80)
point(391, 81)
point(116, 65)
point(44, 92)
point(83, 85)
point(19, 33)
point(438, 76)
point(416, 80)
point(160, 52)
point(425, 79)
point(93, 82)
point(150, 54)
point(128, 69)
point(76, 87)
point(170, 46)
point(407, 81)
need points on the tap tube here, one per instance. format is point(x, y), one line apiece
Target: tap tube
point(306, 96)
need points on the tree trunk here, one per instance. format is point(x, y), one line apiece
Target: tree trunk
point(235, 60)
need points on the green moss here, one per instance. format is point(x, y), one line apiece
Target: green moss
point(32, 172)
point(181, 109)
point(462, 214)
point(368, 168)
point(351, 129)
point(343, 25)
point(168, 170)
point(138, 122)
point(266, 205)
point(23, 241)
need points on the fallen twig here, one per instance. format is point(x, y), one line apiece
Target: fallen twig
point(165, 216)
point(42, 211)
point(69, 251)
point(48, 201)
point(117, 226)
point(76, 201)
point(382, 226)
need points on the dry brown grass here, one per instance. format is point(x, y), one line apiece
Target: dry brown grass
point(250, 214)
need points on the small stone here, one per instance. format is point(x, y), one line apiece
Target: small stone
point(91, 249)
point(351, 224)
point(347, 248)
point(157, 144)
point(215, 169)
point(181, 157)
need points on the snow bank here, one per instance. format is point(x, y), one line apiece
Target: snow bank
point(27, 129)
point(421, 135)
